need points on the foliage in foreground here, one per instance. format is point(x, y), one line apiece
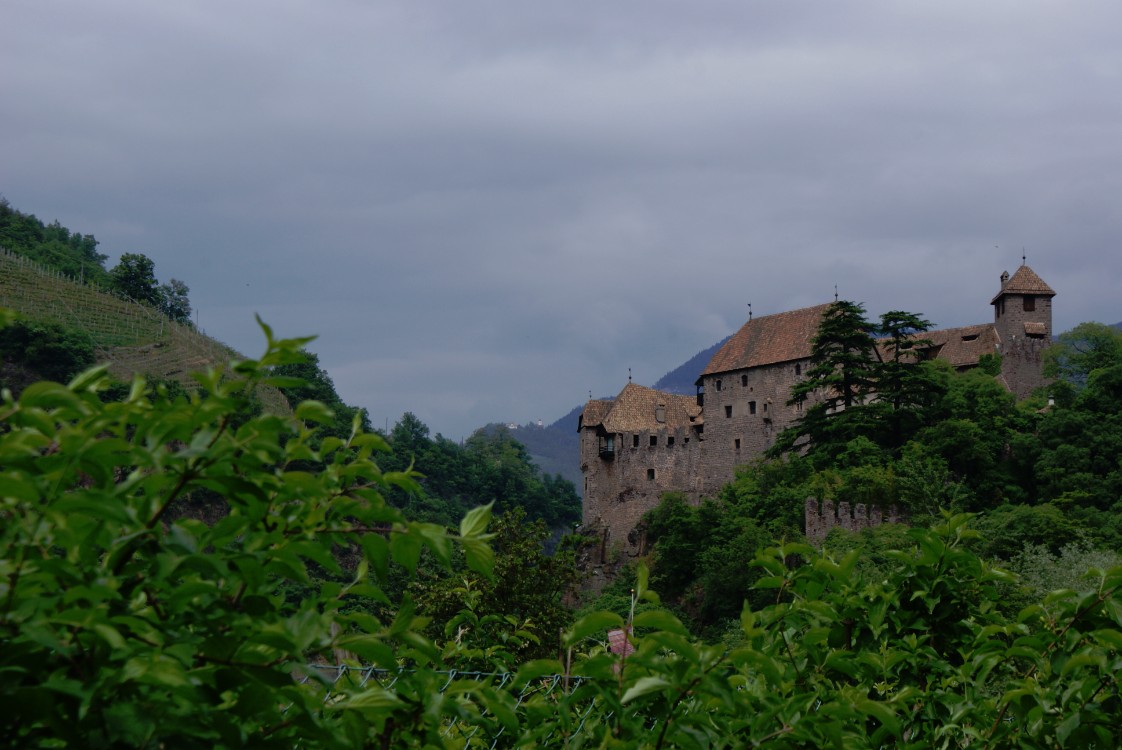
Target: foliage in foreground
point(121, 625)
point(920, 656)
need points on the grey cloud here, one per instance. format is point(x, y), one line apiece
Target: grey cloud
point(488, 209)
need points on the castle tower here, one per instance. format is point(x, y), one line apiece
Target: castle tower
point(1022, 317)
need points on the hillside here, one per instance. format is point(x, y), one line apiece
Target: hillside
point(131, 338)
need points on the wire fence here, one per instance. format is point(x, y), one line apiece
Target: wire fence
point(348, 679)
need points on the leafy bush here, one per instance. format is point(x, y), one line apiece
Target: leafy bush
point(47, 350)
point(121, 626)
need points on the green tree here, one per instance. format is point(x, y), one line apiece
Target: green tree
point(48, 351)
point(52, 245)
point(1082, 350)
point(306, 380)
point(908, 387)
point(1079, 445)
point(841, 379)
point(134, 277)
point(173, 301)
point(521, 604)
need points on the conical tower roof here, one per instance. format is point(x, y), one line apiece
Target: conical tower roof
point(1024, 281)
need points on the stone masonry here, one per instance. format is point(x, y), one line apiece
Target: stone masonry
point(822, 516)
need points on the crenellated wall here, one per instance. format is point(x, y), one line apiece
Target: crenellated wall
point(823, 515)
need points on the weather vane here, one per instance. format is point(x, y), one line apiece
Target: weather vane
point(835, 292)
point(749, 311)
point(628, 374)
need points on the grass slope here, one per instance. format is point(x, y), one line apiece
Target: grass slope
point(131, 338)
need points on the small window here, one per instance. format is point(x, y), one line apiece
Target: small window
point(743, 381)
point(686, 441)
point(765, 407)
point(751, 407)
point(728, 411)
point(717, 385)
point(669, 441)
point(798, 369)
point(971, 337)
point(654, 441)
point(635, 440)
point(1030, 304)
point(736, 443)
point(650, 475)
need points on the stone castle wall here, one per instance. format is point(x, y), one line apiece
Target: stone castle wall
point(619, 491)
point(822, 516)
point(745, 411)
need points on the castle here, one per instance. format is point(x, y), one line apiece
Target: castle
point(645, 442)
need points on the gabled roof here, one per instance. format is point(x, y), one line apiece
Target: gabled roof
point(1024, 281)
point(594, 412)
point(961, 347)
point(638, 408)
point(769, 340)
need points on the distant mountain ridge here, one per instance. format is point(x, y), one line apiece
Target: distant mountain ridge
point(683, 378)
point(555, 448)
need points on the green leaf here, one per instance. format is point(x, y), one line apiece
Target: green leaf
point(105, 510)
point(660, 619)
point(645, 686)
point(533, 670)
point(591, 624)
point(1067, 726)
point(46, 395)
point(475, 521)
point(479, 555)
point(880, 712)
point(315, 411)
point(374, 700)
point(405, 547)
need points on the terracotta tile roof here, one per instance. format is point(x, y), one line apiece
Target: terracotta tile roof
point(594, 412)
point(635, 408)
point(1024, 281)
point(768, 340)
point(961, 347)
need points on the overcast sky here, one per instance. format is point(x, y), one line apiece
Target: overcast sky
point(487, 209)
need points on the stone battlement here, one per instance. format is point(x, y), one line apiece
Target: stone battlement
point(823, 515)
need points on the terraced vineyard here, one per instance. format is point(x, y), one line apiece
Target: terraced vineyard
point(131, 338)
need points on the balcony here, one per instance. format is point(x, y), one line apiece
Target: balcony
point(608, 447)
